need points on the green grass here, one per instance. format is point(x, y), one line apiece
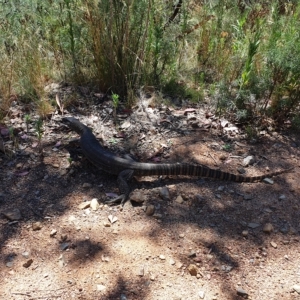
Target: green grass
point(247, 57)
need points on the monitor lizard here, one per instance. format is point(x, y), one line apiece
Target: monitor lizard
point(126, 168)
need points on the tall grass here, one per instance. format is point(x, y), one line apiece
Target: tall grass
point(244, 54)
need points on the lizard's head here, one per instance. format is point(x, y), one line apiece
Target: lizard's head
point(73, 123)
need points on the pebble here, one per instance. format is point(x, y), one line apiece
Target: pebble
point(181, 235)
point(137, 197)
point(245, 233)
point(112, 219)
point(201, 294)
point(13, 214)
point(249, 160)
point(268, 180)
point(64, 246)
point(193, 270)
point(25, 254)
point(150, 210)
point(101, 287)
point(253, 225)
point(86, 185)
point(164, 193)
point(248, 197)
point(94, 204)
point(53, 232)
point(296, 288)
point(192, 254)
point(179, 199)
point(282, 197)
point(241, 292)
point(123, 297)
point(172, 262)
point(268, 228)
point(221, 188)
point(141, 272)
point(273, 244)
point(36, 226)
point(162, 257)
point(9, 264)
point(241, 170)
point(84, 205)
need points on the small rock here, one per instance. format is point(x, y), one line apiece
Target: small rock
point(25, 254)
point(150, 210)
point(281, 197)
point(253, 225)
point(201, 294)
point(94, 204)
point(249, 160)
point(64, 246)
point(241, 170)
point(164, 193)
point(162, 257)
point(179, 199)
point(245, 233)
point(192, 254)
point(296, 288)
point(181, 235)
point(152, 277)
point(221, 188)
point(123, 297)
point(141, 272)
point(137, 197)
point(13, 214)
point(28, 263)
point(86, 185)
point(53, 232)
point(157, 216)
point(106, 224)
point(101, 287)
point(179, 265)
point(242, 292)
point(84, 205)
point(193, 270)
point(112, 219)
point(36, 226)
point(172, 262)
point(273, 244)
point(248, 197)
point(9, 264)
point(268, 180)
point(268, 228)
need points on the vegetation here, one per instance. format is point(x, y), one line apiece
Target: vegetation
point(245, 55)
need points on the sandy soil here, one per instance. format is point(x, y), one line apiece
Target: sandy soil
point(209, 240)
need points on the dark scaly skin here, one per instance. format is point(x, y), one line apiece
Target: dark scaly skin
point(126, 168)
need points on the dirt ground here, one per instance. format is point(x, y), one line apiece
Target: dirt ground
point(190, 238)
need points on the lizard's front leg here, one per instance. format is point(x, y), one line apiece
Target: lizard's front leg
point(124, 188)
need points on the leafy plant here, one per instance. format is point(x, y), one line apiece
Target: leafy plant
point(27, 119)
point(39, 132)
point(115, 99)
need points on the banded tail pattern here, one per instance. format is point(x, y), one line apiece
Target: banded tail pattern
point(197, 171)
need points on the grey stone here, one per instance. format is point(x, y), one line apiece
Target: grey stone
point(13, 214)
point(164, 193)
point(242, 292)
point(150, 210)
point(253, 225)
point(249, 160)
point(268, 181)
point(137, 197)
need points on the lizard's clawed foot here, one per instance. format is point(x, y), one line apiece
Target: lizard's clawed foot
point(122, 199)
